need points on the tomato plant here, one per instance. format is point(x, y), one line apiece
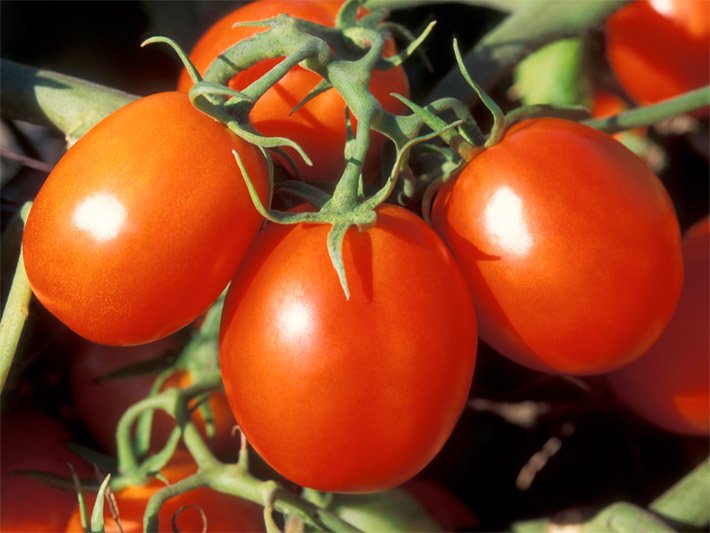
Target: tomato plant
point(572, 256)
point(660, 48)
point(32, 441)
point(142, 223)
point(100, 403)
point(670, 384)
point(348, 395)
point(197, 510)
point(319, 126)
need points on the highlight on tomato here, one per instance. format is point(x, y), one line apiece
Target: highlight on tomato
point(33, 441)
point(99, 403)
point(660, 48)
point(142, 223)
point(318, 126)
point(350, 395)
point(201, 509)
point(570, 246)
point(670, 384)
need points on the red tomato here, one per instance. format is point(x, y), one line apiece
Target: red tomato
point(34, 441)
point(570, 246)
point(348, 396)
point(223, 512)
point(319, 126)
point(660, 48)
point(142, 223)
point(670, 384)
point(100, 404)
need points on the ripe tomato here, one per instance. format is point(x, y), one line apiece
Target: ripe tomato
point(660, 48)
point(319, 126)
point(221, 511)
point(100, 404)
point(570, 246)
point(348, 396)
point(34, 441)
point(670, 384)
point(143, 221)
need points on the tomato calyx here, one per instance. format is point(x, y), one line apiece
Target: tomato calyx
point(347, 207)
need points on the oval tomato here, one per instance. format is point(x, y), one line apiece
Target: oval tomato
point(34, 441)
point(570, 246)
point(142, 223)
point(222, 512)
point(100, 404)
point(660, 48)
point(319, 126)
point(670, 384)
point(348, 396)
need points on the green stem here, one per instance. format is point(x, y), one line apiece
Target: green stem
point(652, 114)
point(48, 98)
point(532, 25)
point(15, 312)
point(156, 501)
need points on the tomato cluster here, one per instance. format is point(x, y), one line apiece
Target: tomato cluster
point(557, 245)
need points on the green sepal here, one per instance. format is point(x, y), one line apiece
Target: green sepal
point(319, 89)
point(184, 58)
point(97, 514)
point(105, 463)
point(336, 235)
point(499, 124)
point(402, 31)
point(81, 502)
point(401, 57)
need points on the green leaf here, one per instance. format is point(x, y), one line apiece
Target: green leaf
point(554, 75)
point(687, 502)
point(387, 511)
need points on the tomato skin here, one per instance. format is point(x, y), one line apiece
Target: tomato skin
point(660, 48)
point(142, 223)
point(224, 513)
point(670, 384)
point(319, 126)
point(34, 441)
point(573, 259)
point(348, 396)
point(100, 404)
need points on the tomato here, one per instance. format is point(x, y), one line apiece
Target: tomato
point(319, 126)
point(348, 395)
point(142, 223)
point(570, 246)
point(660, 48)
point(222, 512)
point(100, 404)
point(670, 384)
point(34, 441)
